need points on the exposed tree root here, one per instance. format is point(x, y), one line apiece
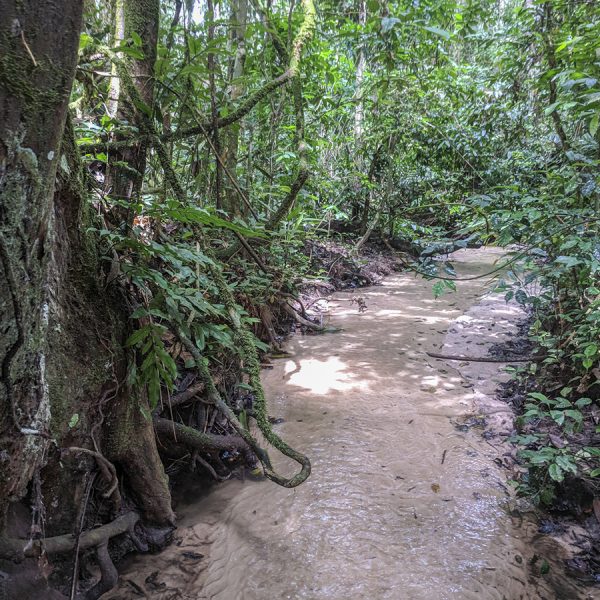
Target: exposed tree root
point(250, 357)
point(206, 442)
point(266, 317)
point(17, 549)
point(305, 322)
point(108, 472)
point(108, 573)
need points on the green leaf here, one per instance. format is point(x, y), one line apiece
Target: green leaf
point(566, 464)
point(437, 289)
point(594, 122)
point(556, 472)
point(130, 51)
point(545, 567)
point(143, 107)
point(438, 31)
point(388, 23)
point(137, 336)
point(539, 396)
point(154, 391)
point(575, 415)
point(569, 261)
point(74, 420)
point(84, 41)
point(137, 40)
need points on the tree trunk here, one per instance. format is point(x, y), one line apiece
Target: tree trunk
point(239, 15)
point(139, 17)
point(360, 209)
point(61, 347)
point(38, 53)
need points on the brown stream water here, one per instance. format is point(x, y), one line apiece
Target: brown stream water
point(405, 501)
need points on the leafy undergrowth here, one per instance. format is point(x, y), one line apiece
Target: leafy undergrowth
point(558, 460)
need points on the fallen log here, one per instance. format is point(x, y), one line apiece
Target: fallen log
point(491, 359)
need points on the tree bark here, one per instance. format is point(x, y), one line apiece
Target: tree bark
point(62, 330)
point(139, 17)
point(239, 15)
point(38, 54)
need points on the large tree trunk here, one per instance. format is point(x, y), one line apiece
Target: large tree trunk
point(38, 54)
point(62, 329)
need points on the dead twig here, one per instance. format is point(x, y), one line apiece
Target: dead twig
point(86, 498)
point(29, 52)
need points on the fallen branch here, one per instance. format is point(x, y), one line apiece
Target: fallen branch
point(297, 299)
point(484, 359)
point(363, 240)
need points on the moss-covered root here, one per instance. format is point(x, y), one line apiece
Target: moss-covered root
point(249, 355)
point(215, 397)
point(260, 410)
point(252, 365)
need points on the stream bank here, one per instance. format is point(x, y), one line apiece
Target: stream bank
point(407, 499)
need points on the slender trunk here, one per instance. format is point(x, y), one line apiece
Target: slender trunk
point(127, 166)
point(239, 15)
point(212, 67)
point(361, 208)
point(552, 89)
point(138, 455)
point(359, 113)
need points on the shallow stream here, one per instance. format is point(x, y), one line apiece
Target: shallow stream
point(405, 501)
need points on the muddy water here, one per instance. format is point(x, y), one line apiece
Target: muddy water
point(405, 501)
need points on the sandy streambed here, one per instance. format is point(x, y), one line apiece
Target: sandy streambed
point(405, 500)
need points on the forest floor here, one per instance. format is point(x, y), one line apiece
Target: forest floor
point(409, 493)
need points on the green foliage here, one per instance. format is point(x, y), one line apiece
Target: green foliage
point(450, 122)
point(157, 366)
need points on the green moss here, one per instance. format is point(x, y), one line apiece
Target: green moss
point(17, 77)
point(139, 15)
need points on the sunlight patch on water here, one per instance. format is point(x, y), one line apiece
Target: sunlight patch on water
point(323, 376)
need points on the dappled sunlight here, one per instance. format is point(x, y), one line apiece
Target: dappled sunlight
point(323, 376)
